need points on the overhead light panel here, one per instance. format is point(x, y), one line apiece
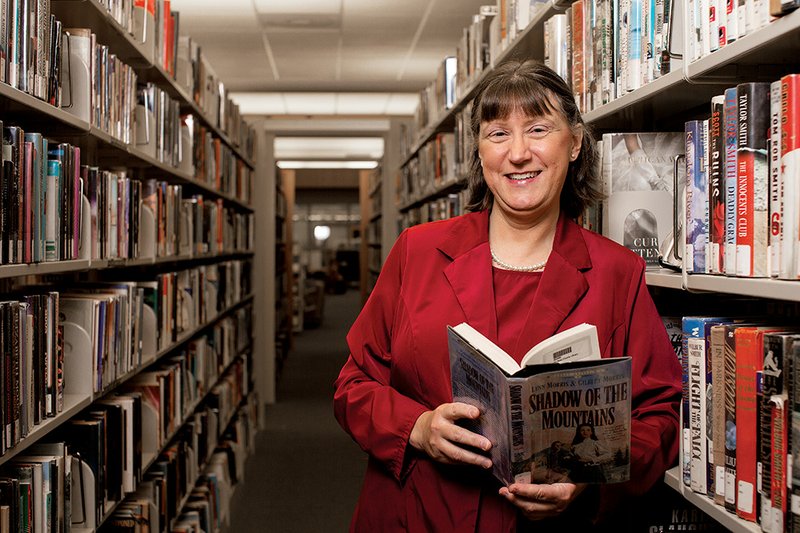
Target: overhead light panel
point(327, 165)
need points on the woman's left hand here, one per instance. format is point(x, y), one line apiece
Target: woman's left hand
point(542, 501)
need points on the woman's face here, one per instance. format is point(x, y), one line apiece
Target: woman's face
point(525, 161)
point(586, 432)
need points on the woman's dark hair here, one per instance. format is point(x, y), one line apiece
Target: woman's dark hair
point(536, 90)
point(577, 438)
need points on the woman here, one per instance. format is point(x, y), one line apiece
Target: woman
point(589, 454)
point(518, 269)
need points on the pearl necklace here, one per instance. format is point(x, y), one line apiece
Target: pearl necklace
point(530, 268)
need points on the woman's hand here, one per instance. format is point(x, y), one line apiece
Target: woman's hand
point(541, 501)
point(436, 433)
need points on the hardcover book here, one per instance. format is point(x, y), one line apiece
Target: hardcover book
point(752, 211)
point(563, 415)
point(638, 180)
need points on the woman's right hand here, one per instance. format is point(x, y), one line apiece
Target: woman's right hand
point(436, 433)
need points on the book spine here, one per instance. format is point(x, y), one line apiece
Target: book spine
point(779, 432)
point(577, 53)
point(730, 419)
point(749, 361)
point(772, 384)
point(716, 189)
point(730, 128)
point(775, 181)
point(790, 175)
point(621, 44)
point(696, 198)
point(27, 203)
point(794, 443)
point(51, 210)
point(717, 351)
point(752, 178)
point(697, 416)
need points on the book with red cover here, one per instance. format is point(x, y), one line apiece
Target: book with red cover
point(716, 188)
point(749, 361)
point(790, 174)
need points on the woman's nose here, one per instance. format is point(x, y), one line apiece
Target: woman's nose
point(520, 150)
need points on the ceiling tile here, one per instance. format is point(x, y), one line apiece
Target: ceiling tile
point(293, 6)
point(361, 103)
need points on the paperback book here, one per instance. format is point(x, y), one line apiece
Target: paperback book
point(562, 415)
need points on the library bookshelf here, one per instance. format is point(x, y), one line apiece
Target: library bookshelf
point(155, 237)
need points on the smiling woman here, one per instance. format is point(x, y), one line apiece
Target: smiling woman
point(518, 270)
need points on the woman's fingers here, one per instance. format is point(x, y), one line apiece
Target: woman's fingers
point(437, 433)
point(541, 501)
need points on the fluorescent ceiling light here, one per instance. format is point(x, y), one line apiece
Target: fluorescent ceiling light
point(330, 103)
point(363, 165)
point(357, 148)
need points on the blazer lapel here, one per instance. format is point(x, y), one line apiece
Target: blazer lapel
point(470, 273)
point(561, 287)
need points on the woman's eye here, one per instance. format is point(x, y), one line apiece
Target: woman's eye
point(539, 131)
point(499, 134)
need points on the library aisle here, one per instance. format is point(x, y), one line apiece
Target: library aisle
point(306, 472)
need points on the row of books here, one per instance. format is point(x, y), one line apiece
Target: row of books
point(48, 196)
point(30, 56)
point(433, 166)
point(99, 88)
point(31, 366)
point(40, 187)
point(102, 455)
point(95, 86)
point(605, 49)
point(206, 503)
point(130, 219)
point(156, 27)
point(182, 458)
point(216, 165)
point(158, 128)
point(154, 314)
point(127, 439)
point(739, 416)
point(187, 299)
point(741, 198)
point(437, 209)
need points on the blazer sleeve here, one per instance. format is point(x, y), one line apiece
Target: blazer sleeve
point(366, 405)
point(656, 393)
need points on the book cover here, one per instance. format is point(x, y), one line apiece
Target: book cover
point(752, 177)
point(563, 416)
point(637, 174)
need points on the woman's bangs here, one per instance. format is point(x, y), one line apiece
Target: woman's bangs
point(504, 96)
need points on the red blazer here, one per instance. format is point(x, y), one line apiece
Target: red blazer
point(441, 273)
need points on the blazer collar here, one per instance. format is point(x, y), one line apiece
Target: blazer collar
point(470, 276)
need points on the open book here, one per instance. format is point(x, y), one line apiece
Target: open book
point(561, 416)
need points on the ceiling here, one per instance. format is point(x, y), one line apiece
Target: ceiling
point(326, 57)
